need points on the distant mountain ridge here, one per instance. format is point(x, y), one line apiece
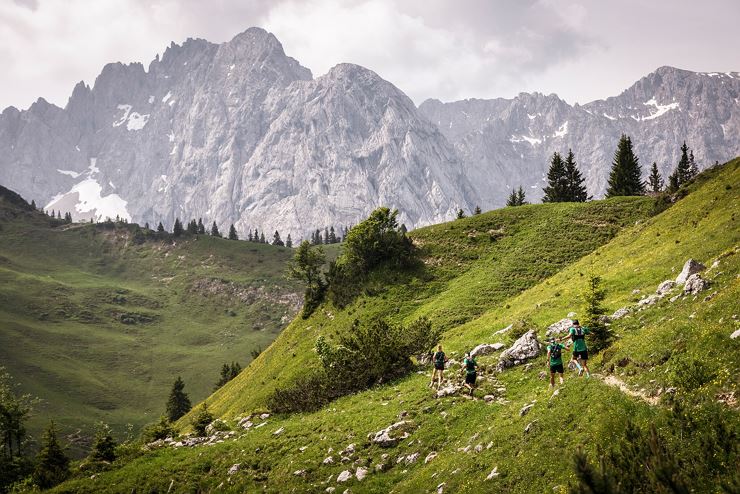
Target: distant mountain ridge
point(241, 133)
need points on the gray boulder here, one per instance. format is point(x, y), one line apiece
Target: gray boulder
point(486, 349)
point(690, 267)
point(665, 287)
point(389, 437)
point(559, 327)
point(523, 349)
point(735, 334)
point(620, 313)
point(695, 284)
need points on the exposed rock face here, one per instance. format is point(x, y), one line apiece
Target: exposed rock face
point(695, 284)
point(505, 143)
point(690, 267)
point(523, 349)
point(486, 349)
point(237, 133)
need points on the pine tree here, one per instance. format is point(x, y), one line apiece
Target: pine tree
point(146, 225)
point(557, 181)
point(262, 238)
point(192, 227)
point(256, 237)
point(224, 377)
point(332, 236)
point(177, 230)
point(160, 227)
point(232, 233)
point(202, 420)
point(59, 215)
point(655, 181)
point(201, 227)
point(625, 176)
point(33, 204)
point(576, 190)
point(276, 239)
point(477, 210)
point(249, 236)
point(289, 242)
point(178, 403)
point(520, 197)
point(693, 169)
point(460, 214)
point(52, 214)
point(52, 465)
point(513, 198)
point(326, 236)
point(104, 446)
point(682, 173)
point(214, 230)
point(601, 335)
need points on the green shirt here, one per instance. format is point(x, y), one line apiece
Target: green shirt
point(470, 369)
point(559, 360)
point(579, 345)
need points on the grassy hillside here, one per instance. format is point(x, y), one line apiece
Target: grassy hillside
point(99, 326)
point(533, 265)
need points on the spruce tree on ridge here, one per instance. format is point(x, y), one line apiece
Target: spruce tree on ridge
point(232, 233)
point(557, 182)
point(625, 178)
point(655, 180)
point(575, 189)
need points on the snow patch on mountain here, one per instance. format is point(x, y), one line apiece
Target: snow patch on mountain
point(69, 172)
point(562, 131)
point(660, 109)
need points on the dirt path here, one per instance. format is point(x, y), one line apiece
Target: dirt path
point(615, 382)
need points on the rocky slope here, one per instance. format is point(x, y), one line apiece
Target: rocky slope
point(506, 143)
point(237, 132)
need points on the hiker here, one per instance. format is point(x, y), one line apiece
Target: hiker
point(470, 373)
point(555, 360)
point(439, 366)
point(580, 351)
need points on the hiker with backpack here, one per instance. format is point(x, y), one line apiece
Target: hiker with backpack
point(578, 334)
point(470, 366)
point(439, 358)
point(555, 360)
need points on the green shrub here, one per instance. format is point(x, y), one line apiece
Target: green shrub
point(201, 420)
point(104, 446)
point(309, 393)
point(690, 374)
point(161, 430)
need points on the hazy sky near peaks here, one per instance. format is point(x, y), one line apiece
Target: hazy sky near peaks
point(446, 49)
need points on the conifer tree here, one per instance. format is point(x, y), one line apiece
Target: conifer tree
point(557, 181)
point(146, 225)
point(332, 236)
point(178, 403)
point(625, 176)
point(201, 227)
point(192, 227)
point(214, 230)
point(232, 233)
point(655, 181)
point(460, 214)
point(52, 465)
point(177, 229)
point(289, 242)
point(33, 204)
point(249, 236)
point(512, 200)
point(160, 227)
point(520, 197)
point(594, 295)
point(256, 236)
point(262, 238)
point(201, 420)
point(576, 190)
point(59, 215)
point(52, 214)
point(477, 210)
point(326, 236)
point(104, 446)
point(682, 173)
point(276, 239)
point(693, 169)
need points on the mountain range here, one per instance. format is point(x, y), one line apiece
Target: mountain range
point(241, 133)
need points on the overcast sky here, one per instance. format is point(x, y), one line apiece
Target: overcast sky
point(446, 49)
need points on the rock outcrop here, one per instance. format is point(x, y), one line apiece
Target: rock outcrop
point(523, 349)
point(690, 267)
point(486, 349)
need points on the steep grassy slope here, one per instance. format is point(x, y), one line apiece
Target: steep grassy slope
point(531, 453)
point(98, 326)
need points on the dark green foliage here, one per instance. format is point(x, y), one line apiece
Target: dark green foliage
point(262, 238)
point(477, 210)
point(574, 182)
point(625, 178)
point(517, 197)
point(104, 446)
point(693, 168)
point(228, 372)
point(52, 465)
point(14, 412)
point(332, 236)
point(289, 242)
point(460, 214)
point(138, 236)
point(160, 228)
point(201, 227)
point(214, 230)
point(655, 180)
point(33, 204)
point(306, 267)
point(374, 241)
point(160, 430)
point(192, 227)
point(178, 403)
point(557, 183)
point(255, 352)
point(601, 336)
point(276, 240)
point(369, 354)
point(201, 420)
point(690, 374)
point(685, 170)
point(232, 233)
point(177, 230)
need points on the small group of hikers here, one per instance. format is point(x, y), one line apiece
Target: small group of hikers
point(576, 333)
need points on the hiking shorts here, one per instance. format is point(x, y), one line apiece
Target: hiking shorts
point(439, 366)
point(470, 378)
point(556, 368)
point(583, 355)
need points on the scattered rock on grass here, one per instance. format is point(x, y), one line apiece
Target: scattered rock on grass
point(735, 334)
point(430, 457)
point(523, 349)
point(234, 468)
point(361, 473)
point(665, 287)
point(559, 327)
point(344, 476)
point(494, 473)
point(525, 409)
point(690, 267)
point(389, 437)
point(695, 284)
point(328, 460)
point(486, 349)
point(620, 313)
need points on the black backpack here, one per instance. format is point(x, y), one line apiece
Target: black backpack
point(470, 364)
point(578, 335)
point(555, 351)
point(439, 358)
